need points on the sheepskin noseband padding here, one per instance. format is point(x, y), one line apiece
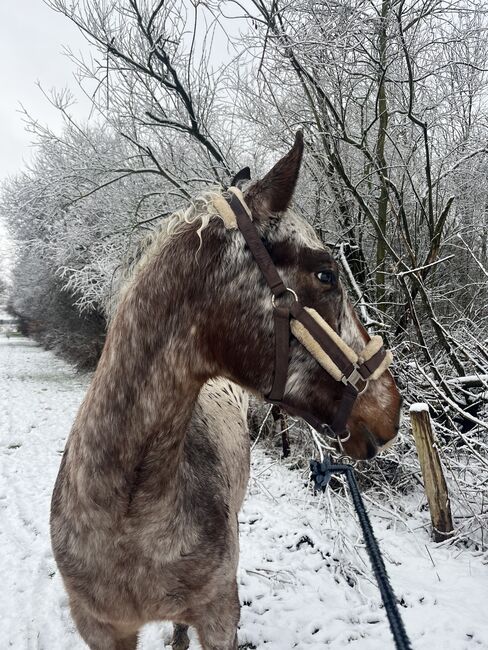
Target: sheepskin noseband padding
point(316, 350)
point(319, 354)
point(373, 346)
point(383, 365)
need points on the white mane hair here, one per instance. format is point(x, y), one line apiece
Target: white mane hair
point(200, 210)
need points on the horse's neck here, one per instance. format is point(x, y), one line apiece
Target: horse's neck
point(138, 406)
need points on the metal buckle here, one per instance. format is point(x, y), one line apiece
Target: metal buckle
point(354, 378)
point(337, 436)
point(288, 290)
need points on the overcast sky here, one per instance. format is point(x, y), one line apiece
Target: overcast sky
point(32, 37)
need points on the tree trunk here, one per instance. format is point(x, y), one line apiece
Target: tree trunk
point(381, 161)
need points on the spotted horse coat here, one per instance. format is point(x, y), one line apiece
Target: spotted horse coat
point(144, 510)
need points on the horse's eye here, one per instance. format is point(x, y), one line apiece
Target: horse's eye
point(327, 277)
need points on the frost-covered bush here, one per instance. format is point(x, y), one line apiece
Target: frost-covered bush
point(392, 101)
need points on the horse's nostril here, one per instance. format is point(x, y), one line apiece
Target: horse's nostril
point(372, 443)
point(383, 446)
point(371, 448)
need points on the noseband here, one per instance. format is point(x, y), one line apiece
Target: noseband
point(324, 344)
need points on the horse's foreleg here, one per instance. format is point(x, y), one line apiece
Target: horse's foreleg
point(180, 640)
point(129, 643)
point(217, 626)
point(98, 635)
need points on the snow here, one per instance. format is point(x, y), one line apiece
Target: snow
point(304, 576)
point(468, 379)
point(419, 407)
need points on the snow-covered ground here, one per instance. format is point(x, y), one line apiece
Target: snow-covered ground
point(304, 576)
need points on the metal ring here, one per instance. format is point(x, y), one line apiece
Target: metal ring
point(335, 436)
point(342, 440)
point(273, 298)
point(365, 387)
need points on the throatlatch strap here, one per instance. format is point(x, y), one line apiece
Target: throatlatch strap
point(258, 249)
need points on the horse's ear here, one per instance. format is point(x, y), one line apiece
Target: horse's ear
point(274, 192)
point(241, 177)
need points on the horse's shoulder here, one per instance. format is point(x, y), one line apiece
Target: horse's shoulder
point(218, 439)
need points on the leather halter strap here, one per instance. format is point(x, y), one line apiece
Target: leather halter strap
point(354, 375)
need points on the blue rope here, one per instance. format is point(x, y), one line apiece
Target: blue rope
point(321, 475)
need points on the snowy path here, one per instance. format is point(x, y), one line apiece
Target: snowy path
point(304, 577)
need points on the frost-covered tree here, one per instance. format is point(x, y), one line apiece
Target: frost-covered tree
point(161, 83)
point(74, 216)
point(391, 96)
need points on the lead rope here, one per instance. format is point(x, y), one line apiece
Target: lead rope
point(321, 473)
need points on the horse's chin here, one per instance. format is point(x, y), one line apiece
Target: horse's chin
point(361, 446)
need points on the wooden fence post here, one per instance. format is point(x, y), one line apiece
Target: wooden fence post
point(434, 480)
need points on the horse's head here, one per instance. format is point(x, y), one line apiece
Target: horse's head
point(239, 328)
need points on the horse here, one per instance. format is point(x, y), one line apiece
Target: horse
point(144, 509)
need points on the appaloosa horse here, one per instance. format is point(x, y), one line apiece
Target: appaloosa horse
point(144, 511)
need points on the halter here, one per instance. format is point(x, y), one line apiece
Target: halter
point(323, 343)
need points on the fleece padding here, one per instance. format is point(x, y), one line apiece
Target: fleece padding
point(342, 345)
point(315, 349)
point(225, 211)
point(373, 346)
point(383, 365)
point(240, 196)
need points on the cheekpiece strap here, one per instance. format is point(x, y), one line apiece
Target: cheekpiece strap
point(282, 352)
point(256, 246)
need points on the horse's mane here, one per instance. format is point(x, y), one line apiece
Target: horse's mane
point(200, 210)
